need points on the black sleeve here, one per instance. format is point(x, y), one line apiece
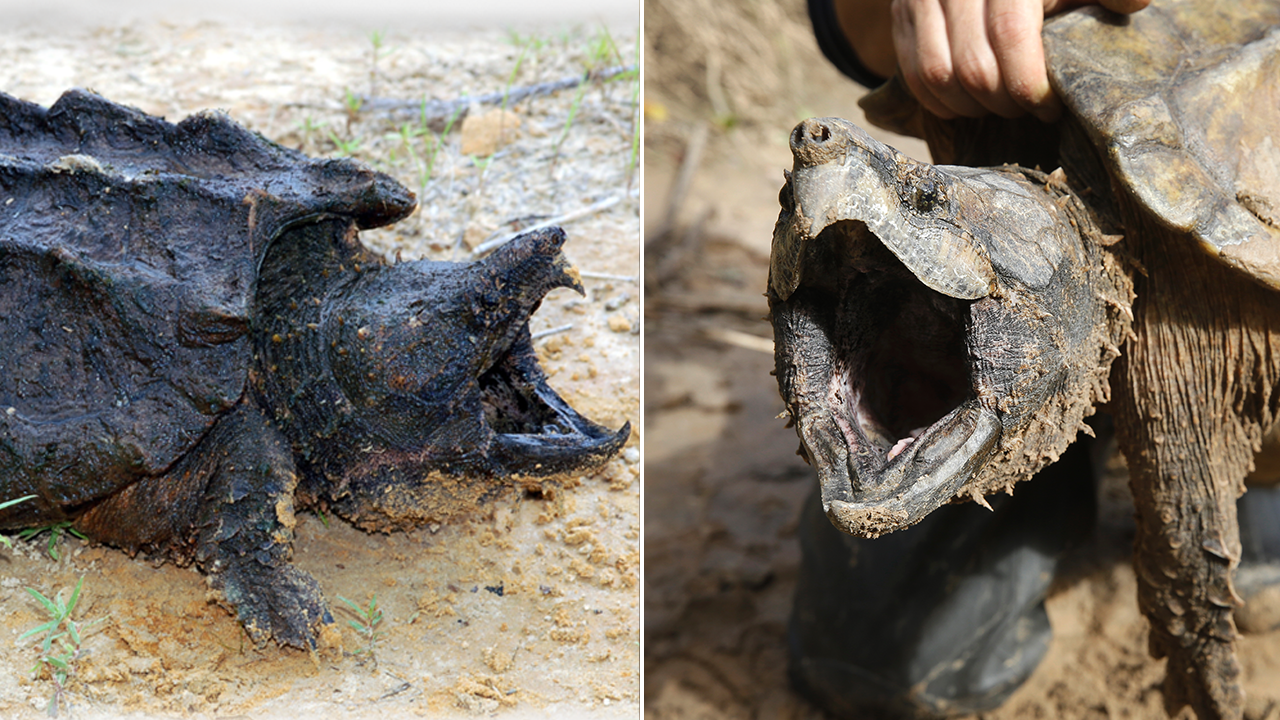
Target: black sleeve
point(833, 43)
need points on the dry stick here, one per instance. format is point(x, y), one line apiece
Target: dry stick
point(670, 249)
point(438, 112)
point(740, 339)
point(692, 159)
point(608, 202)
point(608, 276)
point(552, 331)
point(751, 305)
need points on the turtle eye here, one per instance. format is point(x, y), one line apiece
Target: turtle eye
point(926, 196)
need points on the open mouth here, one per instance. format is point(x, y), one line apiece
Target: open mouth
point(901, 364)
point(511, 409)
point(535, 431)
point(938, 331)
point(877, 368)
point(875, 294)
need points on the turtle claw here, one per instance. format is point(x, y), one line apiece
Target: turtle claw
point(246, 536)
point(281, 603)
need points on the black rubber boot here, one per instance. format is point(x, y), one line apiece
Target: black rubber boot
point(1259, 514)
point(944, 618)
point(1258, 577)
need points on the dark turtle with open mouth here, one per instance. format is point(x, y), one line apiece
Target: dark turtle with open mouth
point(941, 331)
point(196, 343)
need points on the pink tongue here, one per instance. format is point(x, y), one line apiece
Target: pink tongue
point(902, 444)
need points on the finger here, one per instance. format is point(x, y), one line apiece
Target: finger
point(904, 13)
point(1053, 7)
point(1124, 6)
point(979, 84)
point(924, 56)
point(1014, 30)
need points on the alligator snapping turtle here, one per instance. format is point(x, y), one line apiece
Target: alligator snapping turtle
point(941, 331)
point(196, 343)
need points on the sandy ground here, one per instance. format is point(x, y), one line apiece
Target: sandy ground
point(723, 484)
point(530, 608)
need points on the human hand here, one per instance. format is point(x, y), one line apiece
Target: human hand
point(973, 57)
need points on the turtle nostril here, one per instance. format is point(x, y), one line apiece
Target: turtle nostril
point(816, 141)
point(810, 132)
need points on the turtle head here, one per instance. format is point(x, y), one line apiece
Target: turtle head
point(437, 361)
point(940, 332)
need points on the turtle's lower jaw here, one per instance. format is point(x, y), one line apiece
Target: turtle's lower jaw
point(535, 432)
point(895, 410)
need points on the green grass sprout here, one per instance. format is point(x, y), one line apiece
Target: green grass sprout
point(59, 661)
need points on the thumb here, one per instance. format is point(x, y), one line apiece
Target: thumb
point(1053, 7)
point(1124, 6)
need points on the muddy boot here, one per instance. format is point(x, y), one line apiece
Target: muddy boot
point(1258, 577)
point(944, 618)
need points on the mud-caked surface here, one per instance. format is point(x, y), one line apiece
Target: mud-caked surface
point(528, 606)
point(724, 487)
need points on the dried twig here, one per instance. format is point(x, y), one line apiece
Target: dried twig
point(750, 305)
point(741, 339)
point(551, 331)
point(688, 168)
point(438, 113)
point(608, 202)
point(608, 276)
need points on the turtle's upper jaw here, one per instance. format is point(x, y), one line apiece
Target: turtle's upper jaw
point(842, 173)
point(906, 339)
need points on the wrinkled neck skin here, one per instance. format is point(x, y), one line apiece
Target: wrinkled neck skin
point(940, 332)
point(293, 376)
point(1195, 392)
point(408, 389)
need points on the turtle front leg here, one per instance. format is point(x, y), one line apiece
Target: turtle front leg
point(1194, 389)
point(245, 533)
point(1185, 556)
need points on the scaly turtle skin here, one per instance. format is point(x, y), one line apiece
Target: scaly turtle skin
point(941, 331)
point(194, 334)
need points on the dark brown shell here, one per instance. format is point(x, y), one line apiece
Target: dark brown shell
point(1184, 98)
point(129, 251)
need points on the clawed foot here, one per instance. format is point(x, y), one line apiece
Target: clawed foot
point(274, 602)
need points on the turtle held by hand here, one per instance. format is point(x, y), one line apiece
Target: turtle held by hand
point(942, 331)
point(196, 344)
